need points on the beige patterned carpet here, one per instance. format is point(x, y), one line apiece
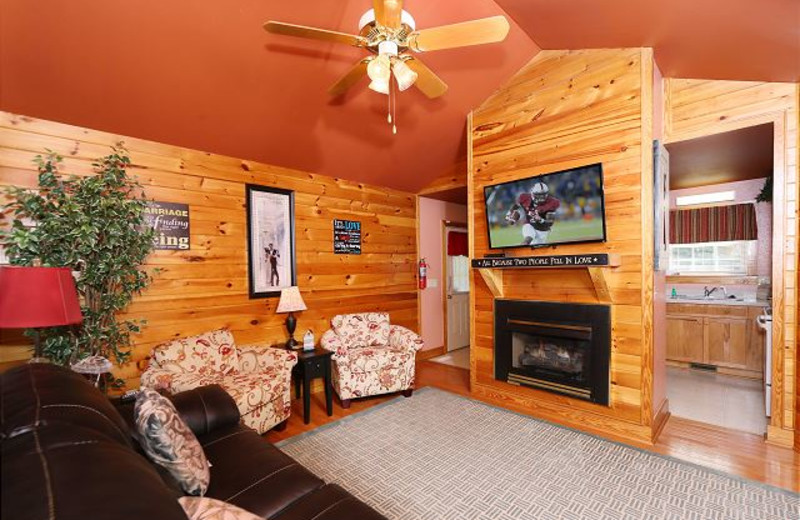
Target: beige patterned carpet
point(439, 456)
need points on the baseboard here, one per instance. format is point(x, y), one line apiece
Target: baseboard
point(423, 355)
point(745, 374)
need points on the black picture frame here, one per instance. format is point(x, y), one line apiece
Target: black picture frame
point(258, 199)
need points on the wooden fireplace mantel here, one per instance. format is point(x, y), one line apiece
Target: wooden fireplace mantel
point(491, 269)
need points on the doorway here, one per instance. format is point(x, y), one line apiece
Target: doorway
point(455, 294)
point(719, 278)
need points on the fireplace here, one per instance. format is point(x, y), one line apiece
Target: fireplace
point(558, 347)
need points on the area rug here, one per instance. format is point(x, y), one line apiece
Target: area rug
point(440, 456)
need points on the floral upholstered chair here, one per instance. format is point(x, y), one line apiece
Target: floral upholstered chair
point(257, 377)
point(370, 356)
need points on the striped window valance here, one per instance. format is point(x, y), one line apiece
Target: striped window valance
point(713, 224)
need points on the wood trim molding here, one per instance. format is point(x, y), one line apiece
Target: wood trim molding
point(661, 418)
point(598, 276)
point(780, 436)
point(494, 280)
point(428, 353)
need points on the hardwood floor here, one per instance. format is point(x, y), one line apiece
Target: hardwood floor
point(736, 453)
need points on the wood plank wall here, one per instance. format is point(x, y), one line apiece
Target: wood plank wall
point(696, 108)
point(562, 110)
point(206, 287)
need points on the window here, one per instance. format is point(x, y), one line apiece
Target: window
point(459, 273)
point(706, 198)
point(730, 258)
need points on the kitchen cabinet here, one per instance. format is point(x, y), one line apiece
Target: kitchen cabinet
point(683, 333)
point(723, 336)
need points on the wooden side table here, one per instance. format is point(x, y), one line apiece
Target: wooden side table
point(310, 365)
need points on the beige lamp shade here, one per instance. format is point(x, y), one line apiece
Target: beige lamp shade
point(291, 301)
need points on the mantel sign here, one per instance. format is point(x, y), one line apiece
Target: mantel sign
point(599, 259)
point(346, 237)
point(170, 220)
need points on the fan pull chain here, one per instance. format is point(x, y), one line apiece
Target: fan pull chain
point(394, 107)
point(389, 104)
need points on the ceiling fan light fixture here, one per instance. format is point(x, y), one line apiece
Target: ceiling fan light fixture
point(403, 74)
point(380, 86)
point(380, 69)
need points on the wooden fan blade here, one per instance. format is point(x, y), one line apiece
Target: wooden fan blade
point(475, 32)
point(301, 31)
point(380, 13)
point(429, 83)
point(358, 71)
point(392, 11)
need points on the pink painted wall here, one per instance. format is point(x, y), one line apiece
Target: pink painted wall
point(431, 214)
point(746, 191)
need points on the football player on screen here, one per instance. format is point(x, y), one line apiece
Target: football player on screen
point(538, 208)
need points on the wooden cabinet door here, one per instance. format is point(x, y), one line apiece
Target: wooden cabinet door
point(685, 338)
point(728, 340)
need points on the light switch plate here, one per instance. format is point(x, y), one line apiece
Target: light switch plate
point(433, 282)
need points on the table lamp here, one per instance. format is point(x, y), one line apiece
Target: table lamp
point(37, 297)
point(291, 302)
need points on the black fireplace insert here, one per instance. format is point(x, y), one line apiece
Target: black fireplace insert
point(560, 347)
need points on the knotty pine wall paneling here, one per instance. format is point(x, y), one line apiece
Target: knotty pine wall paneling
point(562, 110)
point(206, 287)
point(697, 108)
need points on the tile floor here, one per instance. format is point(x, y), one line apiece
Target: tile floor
point(730, 402)
point(457, 358)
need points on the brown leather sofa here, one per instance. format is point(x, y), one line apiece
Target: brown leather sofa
point(69, 453)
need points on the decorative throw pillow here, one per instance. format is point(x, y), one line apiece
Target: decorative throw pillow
point(170, 443)
point(202, 508)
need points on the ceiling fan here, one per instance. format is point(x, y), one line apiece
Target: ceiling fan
point(389, 33)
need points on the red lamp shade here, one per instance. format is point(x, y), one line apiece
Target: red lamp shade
point(32, 297)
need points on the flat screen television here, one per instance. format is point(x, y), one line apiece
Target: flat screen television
point(555, 208)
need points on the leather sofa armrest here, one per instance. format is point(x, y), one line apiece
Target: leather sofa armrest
point(206, 408)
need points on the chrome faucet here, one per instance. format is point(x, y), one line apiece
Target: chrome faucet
point(708, 292)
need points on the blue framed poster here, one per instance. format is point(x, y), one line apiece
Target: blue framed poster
point(346, 237)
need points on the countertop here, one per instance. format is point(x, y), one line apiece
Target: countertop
point(719, 301)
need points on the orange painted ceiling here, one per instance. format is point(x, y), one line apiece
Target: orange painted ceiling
point(206, 75)
point(727, 157)
point(756, 40)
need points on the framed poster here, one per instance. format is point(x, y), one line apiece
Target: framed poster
point(271, 264)
point(346, 237)
point(170, 221)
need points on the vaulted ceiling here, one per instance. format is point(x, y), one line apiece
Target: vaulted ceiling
point(205, 75)
point(756, 40)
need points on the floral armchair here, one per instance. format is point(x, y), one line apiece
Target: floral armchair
point(370, 356)
point(257, 377)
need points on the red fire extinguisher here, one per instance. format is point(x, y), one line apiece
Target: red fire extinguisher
point(423, 274)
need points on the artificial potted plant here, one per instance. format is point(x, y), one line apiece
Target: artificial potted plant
point(94, 225)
